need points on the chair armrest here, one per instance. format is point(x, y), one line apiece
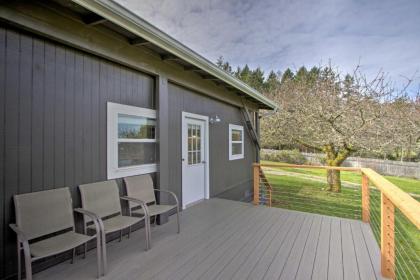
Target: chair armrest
point(169, 192)
point(19, 233)
point(95, 218)
point(88, 213)
point(137, 201)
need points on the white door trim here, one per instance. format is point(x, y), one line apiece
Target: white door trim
point(206, 151)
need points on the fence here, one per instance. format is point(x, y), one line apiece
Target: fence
point(385, 167)
point(393, 215)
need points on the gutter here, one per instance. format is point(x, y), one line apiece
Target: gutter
point(124, 18)
point(269, 113)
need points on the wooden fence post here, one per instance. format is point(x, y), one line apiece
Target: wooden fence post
point(256, 172)
point(387, 238)
point(365, 199)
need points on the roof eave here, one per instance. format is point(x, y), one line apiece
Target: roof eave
point(121, 16)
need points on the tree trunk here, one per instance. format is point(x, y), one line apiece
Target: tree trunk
point(335, 157)
point(334, 180)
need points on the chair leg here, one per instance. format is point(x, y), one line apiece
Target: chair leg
point(121, 234)
point(28, 261)
point(85, 251)
point(98, 255)
point(104, 258)
point(19, 259)
point(150, 233)
point(129, 231)
point(146, 232)
point(73, 255)
point(85, 246)
point(177, 219)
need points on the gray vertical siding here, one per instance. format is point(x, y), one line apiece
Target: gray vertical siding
point(53, 125)
point(53, 120)
point(229, 179)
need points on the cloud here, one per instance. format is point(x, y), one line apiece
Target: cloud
point(276, 34)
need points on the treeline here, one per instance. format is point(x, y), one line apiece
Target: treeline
point(271, 83)
point(322, 108)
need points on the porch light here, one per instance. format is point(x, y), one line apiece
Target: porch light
point(215, 119)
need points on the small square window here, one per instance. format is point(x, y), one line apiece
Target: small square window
point(236, 142)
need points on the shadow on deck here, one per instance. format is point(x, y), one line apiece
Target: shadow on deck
point(223, 239)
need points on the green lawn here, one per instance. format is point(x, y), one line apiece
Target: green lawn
point(309, 196)
point(406, 184)
point(303, 194)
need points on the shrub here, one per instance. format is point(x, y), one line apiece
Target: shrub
point(287, 156)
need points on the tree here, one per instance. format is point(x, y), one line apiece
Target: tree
point(302, 75)
point(243, 74)
point(287, 75)
point(337, 116)
point(272, 83)
point(256, 79)
point(222, 64)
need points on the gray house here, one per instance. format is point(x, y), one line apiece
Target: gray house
point(90, 92)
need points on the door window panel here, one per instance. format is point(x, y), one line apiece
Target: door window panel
point(194, 144)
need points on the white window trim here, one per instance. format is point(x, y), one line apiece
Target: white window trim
point(238, 156)
point(112, 141)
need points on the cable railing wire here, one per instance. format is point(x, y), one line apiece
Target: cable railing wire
point(347, 204)
point(407, 261)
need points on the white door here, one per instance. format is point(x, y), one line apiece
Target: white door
point(194, 158)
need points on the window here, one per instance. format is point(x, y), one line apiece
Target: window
point(236, 142)
point(194, 144)
point(131, 140)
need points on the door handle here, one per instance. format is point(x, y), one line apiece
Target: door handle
point(183, 159)
point(203, 161)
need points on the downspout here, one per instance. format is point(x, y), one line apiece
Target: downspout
point(257, 128)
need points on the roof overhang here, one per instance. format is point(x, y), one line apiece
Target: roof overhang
point(107, 10)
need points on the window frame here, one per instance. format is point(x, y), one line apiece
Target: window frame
point(241, 155)
point(113, 110)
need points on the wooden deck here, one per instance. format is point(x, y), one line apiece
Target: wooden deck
point(223, 239)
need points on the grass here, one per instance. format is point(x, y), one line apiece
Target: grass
point(304, 194)
point(309, 196)
point(409, 185)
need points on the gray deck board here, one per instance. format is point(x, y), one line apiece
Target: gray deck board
point(223, 239)
point(298, 232)
point(270, 253)
point(320, 270)
point(293, 260)
point(362, 254)
point(246, 266)
point(335, 265)
point(308, 258)
point(351, 270)
point(372, 247)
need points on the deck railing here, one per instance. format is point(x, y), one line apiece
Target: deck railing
point(393, 215)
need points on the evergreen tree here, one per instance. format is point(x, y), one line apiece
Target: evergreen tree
point(287, 75)
point(313, 74)
point(222, 64)
point(257, 79)
point(272, 83)
point(244, 74)
point(301, 74)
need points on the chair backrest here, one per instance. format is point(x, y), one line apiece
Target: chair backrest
point(101, 198)
point(44, 212)
point(140, 187)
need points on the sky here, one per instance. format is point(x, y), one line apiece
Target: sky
point(377, 35)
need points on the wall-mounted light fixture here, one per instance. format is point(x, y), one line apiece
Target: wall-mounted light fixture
point(215, 119)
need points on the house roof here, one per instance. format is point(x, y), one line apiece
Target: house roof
point(147, 35)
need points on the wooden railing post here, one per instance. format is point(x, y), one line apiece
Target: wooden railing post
point(387, 238)
point(365, 199)
point(256, 172)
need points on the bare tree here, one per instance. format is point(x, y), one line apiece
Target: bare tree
point(338, 115)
